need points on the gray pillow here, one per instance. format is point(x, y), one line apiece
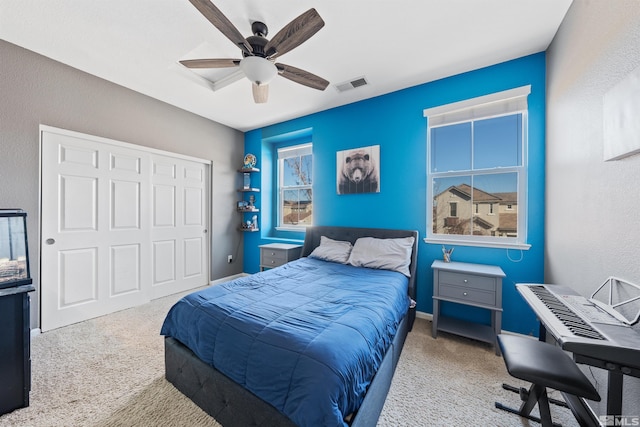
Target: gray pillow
point(386, 254)
point(332, 250)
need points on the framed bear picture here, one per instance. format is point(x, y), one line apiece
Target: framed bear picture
point(358, 170)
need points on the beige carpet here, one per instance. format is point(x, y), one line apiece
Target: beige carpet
point(110, 372)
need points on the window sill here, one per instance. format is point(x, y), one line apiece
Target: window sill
point(505, 245)
point(293, 229)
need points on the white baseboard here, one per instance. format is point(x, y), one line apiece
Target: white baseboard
point(423, 315)
point(227, 279)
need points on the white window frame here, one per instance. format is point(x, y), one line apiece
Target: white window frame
point(497, 104)
point(283, 153)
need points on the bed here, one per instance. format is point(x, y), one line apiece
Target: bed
point(313, 342)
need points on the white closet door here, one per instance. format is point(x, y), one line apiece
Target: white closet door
point(179, 233)
point(98, 217)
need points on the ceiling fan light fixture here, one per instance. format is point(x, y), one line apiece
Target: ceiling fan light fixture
point(259, 70)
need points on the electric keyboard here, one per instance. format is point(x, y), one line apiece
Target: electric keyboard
point(582, 327)
point(594, 336)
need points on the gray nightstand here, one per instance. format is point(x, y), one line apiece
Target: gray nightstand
point(477, 285)
point(276, 254)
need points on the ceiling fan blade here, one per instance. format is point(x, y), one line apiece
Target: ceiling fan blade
point(294, 33)
point(302, 77)
point(260, 93)
point(211, 63)
point(222, 23)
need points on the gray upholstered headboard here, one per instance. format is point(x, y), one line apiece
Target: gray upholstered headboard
point(351, 234)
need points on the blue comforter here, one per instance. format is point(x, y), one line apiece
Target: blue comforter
point(306, 337)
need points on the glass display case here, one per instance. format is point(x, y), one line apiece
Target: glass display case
point(15, 284)
point(14, 254)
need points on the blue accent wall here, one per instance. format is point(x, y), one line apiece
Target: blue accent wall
point(395, 122)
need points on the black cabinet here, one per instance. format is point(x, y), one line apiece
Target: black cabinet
point(15, 353)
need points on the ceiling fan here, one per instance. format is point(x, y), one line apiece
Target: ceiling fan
point(258, 53)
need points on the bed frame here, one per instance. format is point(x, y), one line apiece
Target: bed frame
point(233, 406)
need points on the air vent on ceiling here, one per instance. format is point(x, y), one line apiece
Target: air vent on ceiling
point(357, 82)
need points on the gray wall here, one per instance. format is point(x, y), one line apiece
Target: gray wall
point(593, 207)
point(36, 90)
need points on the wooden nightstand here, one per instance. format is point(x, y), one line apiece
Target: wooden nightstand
point(276, 254)
point(477, 285)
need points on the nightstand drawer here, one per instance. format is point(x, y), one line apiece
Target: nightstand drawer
point(274, 254)
point(468, 295)
point(468, 281)
point(273, 259)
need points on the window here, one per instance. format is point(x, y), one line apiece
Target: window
point(477, 170)
point(454, 209)
point(295, 201)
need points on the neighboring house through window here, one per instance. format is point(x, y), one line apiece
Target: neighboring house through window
point(477, 170)
point(295, 195)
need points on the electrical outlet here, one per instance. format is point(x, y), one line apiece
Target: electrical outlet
point(229, 259)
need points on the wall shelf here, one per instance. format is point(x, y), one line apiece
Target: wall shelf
point(249, 207)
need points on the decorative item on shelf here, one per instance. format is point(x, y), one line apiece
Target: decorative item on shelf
point(250, 161)
point(247, 181)
point(249, 225)
point(244, 206)
point(252, 200)
point(446, 254)
point(254, 221)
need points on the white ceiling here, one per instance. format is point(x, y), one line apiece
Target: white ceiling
point(394, 44)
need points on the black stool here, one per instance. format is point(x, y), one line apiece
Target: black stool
point(543, 365)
